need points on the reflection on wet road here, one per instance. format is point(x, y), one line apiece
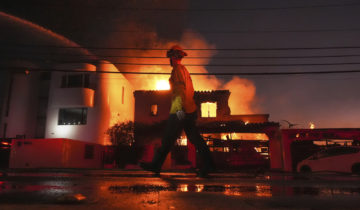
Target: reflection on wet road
point(257, 190)
point(175, 190)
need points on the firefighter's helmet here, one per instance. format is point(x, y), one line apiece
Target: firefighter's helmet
point(176, 52)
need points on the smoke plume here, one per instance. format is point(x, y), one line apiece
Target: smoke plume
point(242, 90)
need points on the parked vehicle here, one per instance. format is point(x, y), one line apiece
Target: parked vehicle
point(337, 159)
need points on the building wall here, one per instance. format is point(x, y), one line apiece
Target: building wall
point(36, 99)
point(55, 153)
point(221, 97)
point(114, 100)
point(4, 83)
point(148, 130)
point(110, 101)
point(143, 102)
point(69, 98)
point(19, 114)
point(32, 154)
point(253, 118)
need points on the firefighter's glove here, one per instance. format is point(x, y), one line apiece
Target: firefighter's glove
point(180, 115)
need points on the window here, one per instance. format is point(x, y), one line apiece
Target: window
point(208, 109)
point(154, 109)
point(336, 151)
point(89, 151)
point(72, 116)
point(75, 81)
point(181, 141)
point(342, 151)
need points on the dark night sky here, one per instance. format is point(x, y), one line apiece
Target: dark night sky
point(326, 100)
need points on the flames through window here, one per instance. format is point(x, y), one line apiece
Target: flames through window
point(208, 109)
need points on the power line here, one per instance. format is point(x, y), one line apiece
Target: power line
point(202, 9)
point(189, 49)
point(228, 65)
point(5, 57)
point(8, 55)
point(96, 30)
point(272, 31)
point(238, 65)
point(22, 69)
point(243, 65)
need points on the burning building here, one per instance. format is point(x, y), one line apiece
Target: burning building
point(65, 110)
point(78, 102)
point(235, 140)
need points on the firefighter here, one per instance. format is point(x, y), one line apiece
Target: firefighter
point(182, 116)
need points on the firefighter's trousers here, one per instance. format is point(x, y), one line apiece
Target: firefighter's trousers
point(173, 130)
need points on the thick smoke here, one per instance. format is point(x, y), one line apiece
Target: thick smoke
point(242, 95)
point(242, 90)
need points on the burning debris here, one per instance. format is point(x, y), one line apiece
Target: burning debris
point(311, 125)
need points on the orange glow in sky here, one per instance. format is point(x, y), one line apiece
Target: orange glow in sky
point(312, 125)
point(162, 85)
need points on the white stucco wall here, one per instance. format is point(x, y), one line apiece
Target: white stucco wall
point(69, 99)
point(109, 104)
point(22, 106)
point(114, 99)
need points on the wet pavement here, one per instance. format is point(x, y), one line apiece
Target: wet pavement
point(118, 189)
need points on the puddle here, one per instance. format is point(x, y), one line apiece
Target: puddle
point(259, 190)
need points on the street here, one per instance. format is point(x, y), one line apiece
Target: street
point(119, 189)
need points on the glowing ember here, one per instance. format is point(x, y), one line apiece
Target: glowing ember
point(263, 191)
point(79, 197)
point(312, 125)
point(183, 188)
point(244, 136)
point(199, 187)
point(225, 136)
point(162, 85)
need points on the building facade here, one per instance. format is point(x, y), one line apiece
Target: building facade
point(223, 132)
point(77, 102)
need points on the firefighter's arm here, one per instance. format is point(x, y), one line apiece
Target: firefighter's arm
point(178, 89)
point(177, 83)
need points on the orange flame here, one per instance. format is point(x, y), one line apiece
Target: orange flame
point(242, 136)
point(242, 90)
point(312, 125)
point(208, 109)
point(162, 85)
